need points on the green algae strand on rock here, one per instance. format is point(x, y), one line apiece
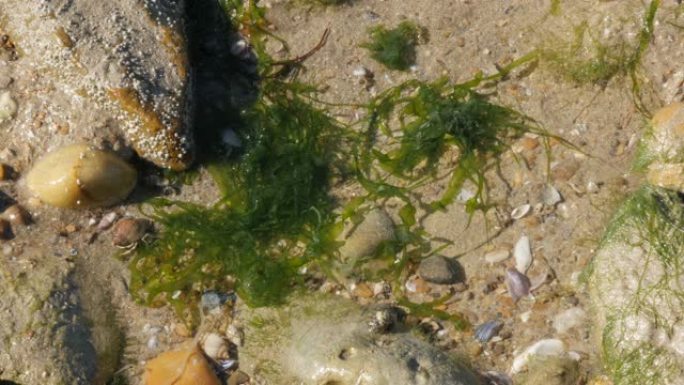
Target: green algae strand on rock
point(80, 176)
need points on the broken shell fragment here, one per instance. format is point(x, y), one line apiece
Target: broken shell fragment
point(184, 367)
point(80, 176)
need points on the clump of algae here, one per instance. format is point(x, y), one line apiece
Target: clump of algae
point(588, 60)
point(395, 48)
point(277, 214)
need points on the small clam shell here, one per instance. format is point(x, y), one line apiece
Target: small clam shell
point(522, 254)
point(548, 347)
point(518, 284)
point(520, 211)
point(184, 367)
point(487, 330)
point(79, 176)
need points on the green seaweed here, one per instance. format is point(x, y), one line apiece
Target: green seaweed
point(555, 7)
point(276, 214)
point(275, 199)
point(395, 48)
point(438, 117)
point(588, 60)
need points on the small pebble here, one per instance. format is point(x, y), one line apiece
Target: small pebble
point(565, 170)
point(17, 215)
point(5, 230)
point(238, 378)
point(182, 330)
point(8, 107)
point(550, 196)
point(129, 231)
point(363, 290)
point(568, 319)
point(5, 172)
point(441, 270)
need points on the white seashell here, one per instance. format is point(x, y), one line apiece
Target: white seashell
point(215, 346)
point(520, 211)
point(522, 254)
point(8, 107)
point(497, 255)
point(550, 196)
point(548, 347)
point(80, 176)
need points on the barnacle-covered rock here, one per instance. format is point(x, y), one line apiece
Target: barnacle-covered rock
point(80, 176)
point(87, 70)
point(327, 340)
point(182, 367)
point(636, 275)
point(636, 289)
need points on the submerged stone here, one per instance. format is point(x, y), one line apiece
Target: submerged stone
point(328, 340)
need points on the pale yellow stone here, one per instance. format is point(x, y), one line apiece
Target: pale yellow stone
point(80, 176)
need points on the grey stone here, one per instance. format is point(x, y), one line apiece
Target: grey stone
point(363, 240)
point(549, 370)
point(442, 270)
point(327, 340)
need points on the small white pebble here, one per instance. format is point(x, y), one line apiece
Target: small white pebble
point(8, 107)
